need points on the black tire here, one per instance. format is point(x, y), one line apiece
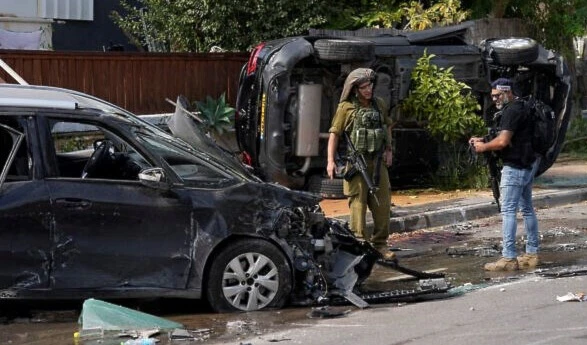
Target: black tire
point(514, 51)
point(272, 280)
point(325, 187)
point(344, 50)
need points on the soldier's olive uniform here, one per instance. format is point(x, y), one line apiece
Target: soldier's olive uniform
point(367, 128)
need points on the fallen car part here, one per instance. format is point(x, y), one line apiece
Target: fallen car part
point(190, 335)
point(418, 274)
point(562, 272)
point(426, 288)
point(104, 316)
point(325, 312)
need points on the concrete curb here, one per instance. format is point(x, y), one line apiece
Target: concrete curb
point(474, 209)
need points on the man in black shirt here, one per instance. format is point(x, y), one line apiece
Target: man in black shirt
point(517, 176)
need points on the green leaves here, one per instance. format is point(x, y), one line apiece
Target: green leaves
point(415, 16)
point(217, 115)
point(199, 25)
point(446, 105)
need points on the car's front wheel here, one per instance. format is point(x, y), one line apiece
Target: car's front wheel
point(249, 275)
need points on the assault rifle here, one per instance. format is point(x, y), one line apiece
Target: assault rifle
point(358, 165)
point(491, 160)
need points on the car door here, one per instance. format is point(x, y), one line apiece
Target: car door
point(113, 232)
point(25, 213)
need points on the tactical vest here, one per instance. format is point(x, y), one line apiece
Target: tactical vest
point(367, 132)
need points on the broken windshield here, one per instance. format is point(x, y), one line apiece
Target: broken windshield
point(200, 169)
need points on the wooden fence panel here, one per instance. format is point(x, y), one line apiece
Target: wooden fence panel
point(138, 82)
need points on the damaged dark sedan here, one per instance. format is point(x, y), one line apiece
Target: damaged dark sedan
point(96, 202)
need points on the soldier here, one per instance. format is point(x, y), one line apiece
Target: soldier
point(365, 119)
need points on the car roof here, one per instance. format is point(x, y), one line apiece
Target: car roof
point(35, 96)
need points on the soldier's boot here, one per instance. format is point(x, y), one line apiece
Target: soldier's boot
point(387, 254)
point(528, 261)
point(503, 264)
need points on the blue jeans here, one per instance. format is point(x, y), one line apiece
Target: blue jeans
point(516, 193)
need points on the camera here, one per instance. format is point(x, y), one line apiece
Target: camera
point(491, 134)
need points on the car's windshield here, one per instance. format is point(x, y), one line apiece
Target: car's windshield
point(200, 141)
point(201, 168)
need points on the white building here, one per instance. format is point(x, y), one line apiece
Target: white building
point(26, 24)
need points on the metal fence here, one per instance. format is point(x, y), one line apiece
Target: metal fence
point(139, 82)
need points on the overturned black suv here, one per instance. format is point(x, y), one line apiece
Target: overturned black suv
point(290, 87)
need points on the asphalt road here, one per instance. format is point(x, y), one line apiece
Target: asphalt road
point(522, 312)
point(519, 308)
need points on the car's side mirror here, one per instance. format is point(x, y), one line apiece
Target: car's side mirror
point(153, 177)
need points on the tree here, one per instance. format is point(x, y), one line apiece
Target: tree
point(446, 105)
point(449, 112)
point(417, 15)
point(554, 23)
point(199, 25)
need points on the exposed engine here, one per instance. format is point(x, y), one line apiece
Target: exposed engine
point(329, 262)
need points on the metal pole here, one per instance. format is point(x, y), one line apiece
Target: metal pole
point(12, 73)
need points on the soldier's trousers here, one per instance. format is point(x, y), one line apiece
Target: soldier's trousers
point(359, 200)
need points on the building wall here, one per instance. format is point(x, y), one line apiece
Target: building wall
point(14, 28)
point(19, 8)
point(96, 35)
point(91, 28)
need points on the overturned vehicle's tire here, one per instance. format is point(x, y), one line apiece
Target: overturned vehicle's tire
point(344, 50)
point(513, 51)
point(249, 275)
point(326, 188)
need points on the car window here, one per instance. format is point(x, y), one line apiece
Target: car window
point(188, 167)
point(20, 168)
point(84, 150)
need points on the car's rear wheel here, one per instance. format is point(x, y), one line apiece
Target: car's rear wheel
point(514, 51)
point(249, 275)
point(344, 50)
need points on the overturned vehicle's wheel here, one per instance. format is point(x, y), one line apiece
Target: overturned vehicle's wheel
point(344, 50)
point(326, 188)
point(513, 51)
point(249, 275)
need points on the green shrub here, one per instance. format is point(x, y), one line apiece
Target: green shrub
point(217, 115)
point(446, 105)
point(460, 168)
point(576, 139)
point(450, 113)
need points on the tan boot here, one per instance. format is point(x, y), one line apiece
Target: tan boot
point(503, 264)
point(528, 261)
point(387, 254)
